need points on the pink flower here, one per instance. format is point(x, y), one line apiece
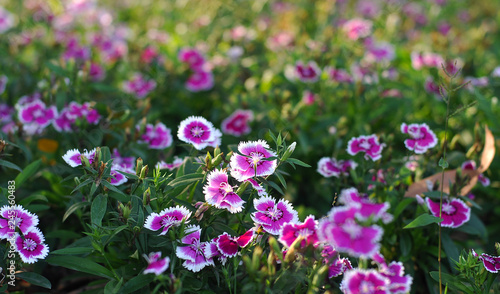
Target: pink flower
point(308, 97)
point(171, 166)
point(328, 167)
point(220, 194)
point(75, 51)
point(491, 263)
point(216, 142)
point(200, 81)
point(308, 73)
point(197, 131)
point(398, 282)
point(471, 165)
point(156, 264)
point(6, 20)
point(126, 162)
point(338, 265)
point(357, 28)
point(149, 54)
point(167, 218)
point(358, 281)
point(341, 230)
point(291, 231)
point(118, 178)
point(5, 113)
point(37, 114)
point(454, 212)
point(30, 246)
point(271, 215)
point(139, 86)
point(380, 52)
point(192, 250)
point(366, 209)
point(18, 218)
point(339, 75)
point(419, 60)
point(368, 8)
point(281, 40)
point(157, 136)
point(192, 57)
point(422, 137)
point(237, 123)
point(96, 72)
point(432, 87)
point(73, 157)
point(367, 144)
point(228, 246)
point(251, 163)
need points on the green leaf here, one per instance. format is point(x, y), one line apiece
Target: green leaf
point(276, 187)
point(72, 251)
point(298, 162)
point(137, 283)
point(28, 171)
point(111, 187)
point(185, 180)
point(452, 282)
point(81, 264)
point(35, 279)
point(282, 180)
point(26, 201)
point(73, 208)
point(57, 69)
point(402, 206)
point(474, 227)
point(450, 248)
point(423, 220)
point(98, 209)
point(10, 165)
point(83, 184)
point(112, 287)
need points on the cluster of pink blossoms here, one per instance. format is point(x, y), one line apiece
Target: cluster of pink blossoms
point(201, 78)
point(19, 227)
point(156, 136)
point(70, 114)
point(34, 114)
point(139, 86)
point(331, 167)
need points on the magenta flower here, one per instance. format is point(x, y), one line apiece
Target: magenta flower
point(118, 178)
point(339, 75)
point(237, 123)
point(380, 52)
point(170, 166)
point(454, 212)
point(192, 57)
point(64, 122)
point(419, 60)
point(5, 113)
point(216, 142)
point(291, 231)
point(366, 209)
point(341, 230)
point(139, 86)
point(96, 72)
point(156, 264)
point(471, 165)
point(19, 218)
point(308, 97)
point(491, 263)
point(227, 245)
point(422, 137)
point(192, 250)
point(200, 81)
point(126, 162)
point(30, 246)
point(432, 87)
point(260, 190)
point(220, 194)
point(37, 113)
point(76, 51)
point(357, 28)
point(483, 180)
point(367, 144)
point(358, 281)
point(197, 131)
point(157, 136)
point(167, 218)
point(271, 215)
point(252, 162)
point(73, 157)
point(398, 282)
point(307, 73)
point(328, 167)
point(6, 20)
point(338, 265)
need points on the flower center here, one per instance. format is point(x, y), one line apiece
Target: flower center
point(197, 131)
point(364, 144)
point(303, 233)
point(29, 244)
point(255, 158)
point(366, 287)
point(168, 220)
point(352, 228)
point(225, 188)
point(274, 213)
point(37, 113)
point(448, 208)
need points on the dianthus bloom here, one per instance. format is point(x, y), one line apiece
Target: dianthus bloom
point(252, 161)
point(170, 166)
point(16, 217)
point(220, 194)
point(367, 144)
point(454, 212)
point(237, 123)
point(167, 218)
point(96, 72)
point(30, 246)
point(271, 215)
point(157, 136)
point(422, 137)
point(432, 87)
point(338, 265)
point(228, 246)
point(399, 283)
point(260, 190)
point(192, 57)
point(330, 167)
point(419, 60)
point(357, 28)
point(366, 209)
point(192, 250)
point(118, 159)
point(200, 81)
point(339, 75)
point(380, 52)
point(6, 20)
point(307, 73)
point(36, 116)
point(491, 263)
point(118, 178)
point(291, 231)
point(197, 131)
point(139, 86)
point(471, 165)
point(5, 113)
point(156, 264)
point(358, 281)
point(73, 157)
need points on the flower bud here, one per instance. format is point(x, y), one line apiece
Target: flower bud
point(289, 151)
point(146, 196)
point(138, 167)
point(144, 172)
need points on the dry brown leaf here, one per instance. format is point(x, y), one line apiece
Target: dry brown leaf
point(449, 176)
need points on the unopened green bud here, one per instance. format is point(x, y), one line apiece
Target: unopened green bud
point(144, 172)
point(216, 151)
point(208, 161)
point(228, 156)
point(242, 188)
point(85, 160)
point(217, 160)
point(77, 181)
point(146, 196)
point(138, 166)
point(289, 151)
